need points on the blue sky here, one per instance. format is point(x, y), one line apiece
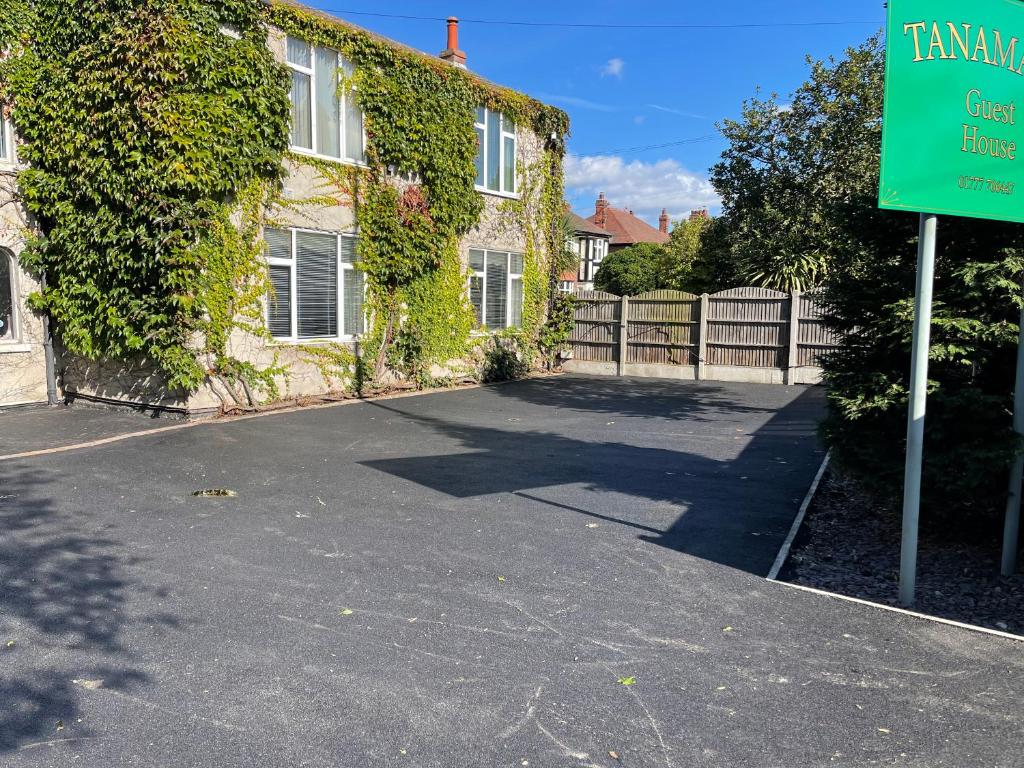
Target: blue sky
point(627, 88)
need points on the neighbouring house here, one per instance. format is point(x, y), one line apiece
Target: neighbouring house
point(625, 227)
point(319, 307)
point(591, 242)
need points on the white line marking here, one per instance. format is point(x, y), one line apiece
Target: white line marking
point(904, 611)
point(780, 559)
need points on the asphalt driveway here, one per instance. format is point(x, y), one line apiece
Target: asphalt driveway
point(466, 579)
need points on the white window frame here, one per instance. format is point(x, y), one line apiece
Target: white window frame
point(509, 279)
point(292, 263)
point(7, 157)
point(342, 106)
point(12, 285)
point(503, 134)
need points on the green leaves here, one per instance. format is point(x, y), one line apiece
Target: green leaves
point(631, 271)
point(142, 125)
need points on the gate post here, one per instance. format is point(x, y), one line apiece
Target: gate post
point(623, 334)
point(702, 338)
point(794, 337)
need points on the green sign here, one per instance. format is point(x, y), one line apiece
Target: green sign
point(953, 131)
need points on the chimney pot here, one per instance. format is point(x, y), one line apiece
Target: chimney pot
point(452, 54)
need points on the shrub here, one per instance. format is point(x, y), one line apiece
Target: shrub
point(631, 271)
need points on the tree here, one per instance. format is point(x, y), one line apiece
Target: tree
point(799, 188)
point(631, 271)
point(698, 258)
point(681, 252)
point(714, 268)
point(790, 168)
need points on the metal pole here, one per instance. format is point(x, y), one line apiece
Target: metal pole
point(916, 410)
point(1011, 527)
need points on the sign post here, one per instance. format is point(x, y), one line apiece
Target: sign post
point(916, 408)
point(952, 143)
point(1011, 525)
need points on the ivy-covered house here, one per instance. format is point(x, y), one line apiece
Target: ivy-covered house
point(226, 202)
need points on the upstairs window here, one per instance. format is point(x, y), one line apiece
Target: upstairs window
point(325, 120)
point(496, 156)
point(317, 292)
point(496, 288)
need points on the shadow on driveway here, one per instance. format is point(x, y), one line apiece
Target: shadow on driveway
point(61, 587)
point(736, 503)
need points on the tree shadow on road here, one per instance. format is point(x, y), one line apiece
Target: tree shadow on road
point(64, 593)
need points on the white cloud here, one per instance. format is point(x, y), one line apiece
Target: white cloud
point(614, 68)
point(674, 111)
point(645, 188)
point(575, 101)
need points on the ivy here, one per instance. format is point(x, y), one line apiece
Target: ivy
point(142, 126)
point(155, 147)
point(419, 114)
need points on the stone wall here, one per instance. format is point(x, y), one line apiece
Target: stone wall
point(22, 361)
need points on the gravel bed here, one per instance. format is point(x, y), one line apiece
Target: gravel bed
point(850, 544)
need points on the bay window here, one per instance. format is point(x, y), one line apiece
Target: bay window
point(326, 120)
point(316, 290)
point(496, 288)
point(496, 156)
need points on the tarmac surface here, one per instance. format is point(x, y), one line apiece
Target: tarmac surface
point(554, 572)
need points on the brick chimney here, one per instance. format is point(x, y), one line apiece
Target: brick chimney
point(699, 213)
point(601, 211)
point(663, 221)
point(452, 54)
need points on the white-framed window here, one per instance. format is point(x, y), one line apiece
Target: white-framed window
point(496, 288)
point(496, 156)
point(7, 294)
point(325, 121)
point(316, 290)
point(6, 143)
point(566, 286)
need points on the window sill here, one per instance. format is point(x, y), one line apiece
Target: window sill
point(13, 348)
point(314, 342)
point(486, 332)
point(506, 195)
point(317, 156)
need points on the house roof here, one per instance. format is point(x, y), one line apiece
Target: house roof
point(627, 229)
point(579, 224)
point(339, 22)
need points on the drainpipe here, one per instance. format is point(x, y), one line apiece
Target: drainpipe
point(51, 364)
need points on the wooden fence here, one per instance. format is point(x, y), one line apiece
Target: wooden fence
point(743, 334)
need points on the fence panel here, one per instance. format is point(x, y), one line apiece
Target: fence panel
point(663, 327)
point(743, 334)
point(813, 338)
point(596, 335)
point(748, 327)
